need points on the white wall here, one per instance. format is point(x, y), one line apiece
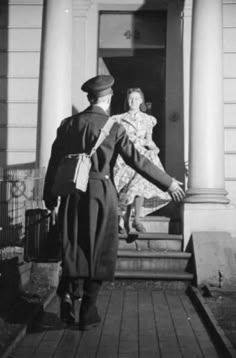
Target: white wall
point(229, 53)
point(20, 40)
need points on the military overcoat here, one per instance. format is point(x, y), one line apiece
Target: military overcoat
point(88, 221)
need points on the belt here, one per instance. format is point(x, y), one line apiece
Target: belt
point(98, 176)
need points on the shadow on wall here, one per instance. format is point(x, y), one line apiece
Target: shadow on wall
point(74, 110)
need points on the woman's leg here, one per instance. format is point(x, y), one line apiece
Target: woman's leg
point(138, 204)
point(127, 218)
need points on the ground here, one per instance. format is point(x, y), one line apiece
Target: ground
point(16, 308)
point(18, 305)
point(222, 303)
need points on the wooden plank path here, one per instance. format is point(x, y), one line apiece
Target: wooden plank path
point(137, 322)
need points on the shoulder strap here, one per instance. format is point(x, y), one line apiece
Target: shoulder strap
point(104, 132)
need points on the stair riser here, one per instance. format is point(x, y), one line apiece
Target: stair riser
point(160, 264)
point(154, 224)
point(164, 245)
point(162, 283)
point(158, 245)
point(156, 227)
point(124, 245)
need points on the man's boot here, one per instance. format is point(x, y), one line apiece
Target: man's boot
point(68, 291)
point(88, 316)
point(67, 309)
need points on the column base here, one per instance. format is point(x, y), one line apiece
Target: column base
point(199, 195)
point(208, 217)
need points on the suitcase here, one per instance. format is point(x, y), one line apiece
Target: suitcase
point(41, 241)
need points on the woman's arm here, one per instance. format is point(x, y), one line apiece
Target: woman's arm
point(149, 143)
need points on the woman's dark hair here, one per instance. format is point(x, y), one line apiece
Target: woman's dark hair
point(143, 107)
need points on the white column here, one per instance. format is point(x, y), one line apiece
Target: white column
point(186, 35)
point(55, 101)
point(206, 207)
point(206, 136)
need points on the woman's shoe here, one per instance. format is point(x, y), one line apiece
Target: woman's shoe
point(138, 226)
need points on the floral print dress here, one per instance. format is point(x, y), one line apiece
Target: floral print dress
point(129, 183)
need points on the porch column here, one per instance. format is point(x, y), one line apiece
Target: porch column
point(206, 207)
point(55, 101)
point(206, 136)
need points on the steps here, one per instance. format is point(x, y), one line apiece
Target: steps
point(152, 241)
point(145, 260)
point(161, 276)
point(156, 223)
point(153, 255)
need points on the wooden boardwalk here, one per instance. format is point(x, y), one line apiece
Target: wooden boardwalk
point(137, 322)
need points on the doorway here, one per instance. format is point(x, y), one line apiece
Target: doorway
point(132, 49)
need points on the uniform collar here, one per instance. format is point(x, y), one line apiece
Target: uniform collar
point(96, 109)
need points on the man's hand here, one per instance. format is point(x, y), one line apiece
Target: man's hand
point(50, 204)
point(176, 191)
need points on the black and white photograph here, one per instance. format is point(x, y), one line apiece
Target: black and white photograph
point(118, 178)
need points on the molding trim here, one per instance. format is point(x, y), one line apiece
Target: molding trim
point(208, 195)
point(23, 2)
point(229, 2)
point(229, 127)
point(81, 7)
point(230, 152)
point(17, 150)
point(186, 6)
point(5, 77)
point(18, 102)
point(16, 125)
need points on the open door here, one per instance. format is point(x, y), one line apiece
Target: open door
point(132, 49)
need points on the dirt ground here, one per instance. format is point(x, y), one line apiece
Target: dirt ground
point(222, 303)
point(17, 307)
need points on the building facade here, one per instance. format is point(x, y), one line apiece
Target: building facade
point(181, 53)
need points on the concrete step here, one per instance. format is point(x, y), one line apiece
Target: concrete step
point(151, 223)
point(151, 241)
point(153, 275)
point(146, 260)
point(155, 224)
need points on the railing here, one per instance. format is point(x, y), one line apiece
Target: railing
point(20, 189)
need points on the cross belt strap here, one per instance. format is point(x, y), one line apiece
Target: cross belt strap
point(104, 132)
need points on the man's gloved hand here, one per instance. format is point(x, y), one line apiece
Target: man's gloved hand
point(50, 204)
point(176, 191)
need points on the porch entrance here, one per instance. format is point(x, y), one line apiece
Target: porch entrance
point(132, 49)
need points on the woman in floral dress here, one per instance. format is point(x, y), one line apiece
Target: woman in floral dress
point(134, 190)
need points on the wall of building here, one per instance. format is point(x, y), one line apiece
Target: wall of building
point(20, 28)
point(229, 42)
point(20, 40)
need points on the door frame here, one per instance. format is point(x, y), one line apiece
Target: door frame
point(85, 50)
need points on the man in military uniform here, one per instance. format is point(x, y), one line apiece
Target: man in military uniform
point(89, 221)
